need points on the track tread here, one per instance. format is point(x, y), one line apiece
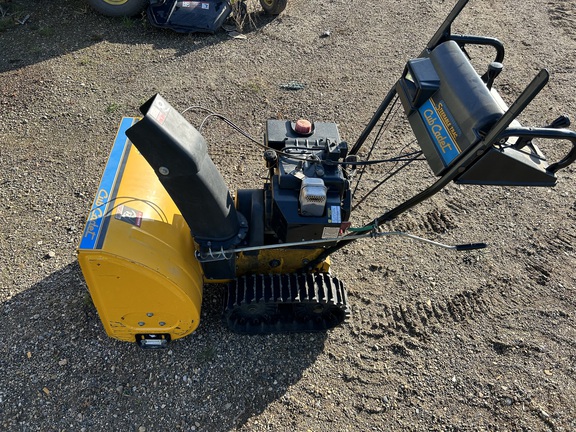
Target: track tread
point(285, 303)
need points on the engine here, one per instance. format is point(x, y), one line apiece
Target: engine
point(308, 196)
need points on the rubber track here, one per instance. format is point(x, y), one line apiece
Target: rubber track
point(285, 303)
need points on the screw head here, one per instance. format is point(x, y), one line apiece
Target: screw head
point(163, 170)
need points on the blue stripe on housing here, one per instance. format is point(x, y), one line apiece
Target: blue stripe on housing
point(94, 231)
point(446, 147)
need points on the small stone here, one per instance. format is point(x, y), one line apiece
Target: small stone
point(237, 35)
point(293, 85)
point(228, 405)
point(63, 362)
point(50, 254)
point(548, 372)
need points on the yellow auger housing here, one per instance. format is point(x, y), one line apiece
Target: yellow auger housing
point(136, 253)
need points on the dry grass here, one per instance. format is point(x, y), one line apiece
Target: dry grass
point(244, 14)
point(12, 14)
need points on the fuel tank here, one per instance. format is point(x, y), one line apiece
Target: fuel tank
point(137, 253)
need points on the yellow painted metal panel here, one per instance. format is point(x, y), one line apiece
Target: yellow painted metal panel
point(281, 260)
point(137, 253)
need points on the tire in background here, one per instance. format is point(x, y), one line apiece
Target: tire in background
point(273, 7)
point(120, 8)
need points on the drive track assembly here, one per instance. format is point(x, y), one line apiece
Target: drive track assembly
point(285, 303)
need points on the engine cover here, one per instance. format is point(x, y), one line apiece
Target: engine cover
point(308, 197)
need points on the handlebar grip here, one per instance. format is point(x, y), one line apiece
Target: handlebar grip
point(471, 246)
point(570, 157)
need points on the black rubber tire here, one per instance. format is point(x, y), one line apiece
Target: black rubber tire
point(117, 8)
point(273, 7)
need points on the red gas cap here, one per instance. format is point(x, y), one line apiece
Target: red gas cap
point(303, 127)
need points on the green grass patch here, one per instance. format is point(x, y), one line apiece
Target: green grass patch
point(113, 107)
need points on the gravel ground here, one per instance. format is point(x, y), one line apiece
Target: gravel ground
point(437, 340)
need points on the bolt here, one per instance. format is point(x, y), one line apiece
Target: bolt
point(149, 314)
point(141, 323)
point(162, 323)
point(163, 170)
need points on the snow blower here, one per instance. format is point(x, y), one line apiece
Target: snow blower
point(164, 224)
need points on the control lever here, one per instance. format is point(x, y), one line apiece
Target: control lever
point(560, 123)
point(493, 71)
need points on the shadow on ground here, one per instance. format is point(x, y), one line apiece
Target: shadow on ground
point(70, 26)
point(65, 373)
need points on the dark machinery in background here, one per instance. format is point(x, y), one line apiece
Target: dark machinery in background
point(186, 16)
point(164, 224)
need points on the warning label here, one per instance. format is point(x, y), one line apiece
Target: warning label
point(330, 232)
point(334, 215)
point(129, 215)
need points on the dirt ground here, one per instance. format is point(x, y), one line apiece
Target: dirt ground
point(437, 340)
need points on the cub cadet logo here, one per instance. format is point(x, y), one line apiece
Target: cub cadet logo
point(96, 214)
point(437, 128)
point(443, 132)
point(446, 121)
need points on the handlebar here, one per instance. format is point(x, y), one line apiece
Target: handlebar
point(547, 133)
